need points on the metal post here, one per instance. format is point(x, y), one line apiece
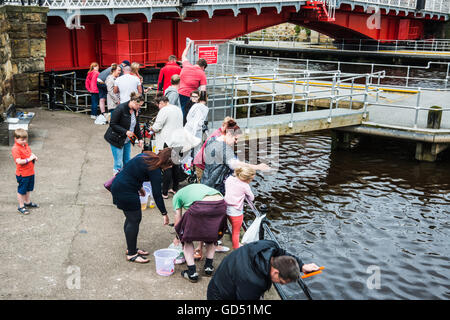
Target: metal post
point(51, 91)
point(366, 97)
point(214, 93)
point(307, 92)
point(378, 86)
point(351, 93)
point(249, 90)
point(417, 107)
point(235, 98)
point(294, 90)
point(273, 98)
point(407, 76)
point(332, 98)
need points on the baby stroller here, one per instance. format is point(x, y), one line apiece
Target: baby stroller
point(187, 163)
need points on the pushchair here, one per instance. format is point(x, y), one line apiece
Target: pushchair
point(186, 159)
point(187, 163)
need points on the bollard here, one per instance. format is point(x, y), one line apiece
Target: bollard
point(434, 117)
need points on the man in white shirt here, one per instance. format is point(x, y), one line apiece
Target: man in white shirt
point(196, 117)
point(168, 120)
point(126, 84)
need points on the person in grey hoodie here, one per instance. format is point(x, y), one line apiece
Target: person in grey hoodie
point(172, 91)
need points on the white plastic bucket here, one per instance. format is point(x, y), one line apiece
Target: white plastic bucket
point(165, 261)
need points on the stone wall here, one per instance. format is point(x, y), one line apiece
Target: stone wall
point(23, 32)
point(287, 31)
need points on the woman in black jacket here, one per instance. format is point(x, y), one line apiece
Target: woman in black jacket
point(124, 130)
point(126, 188)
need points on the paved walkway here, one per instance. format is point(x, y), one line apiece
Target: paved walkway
point(77, 229)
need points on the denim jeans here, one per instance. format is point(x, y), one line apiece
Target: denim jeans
point(94, 104)
point(121, 156)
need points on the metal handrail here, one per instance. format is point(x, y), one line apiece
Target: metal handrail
point(359, 45)
point(438, 6)
point(339, 64)
point(265, 228)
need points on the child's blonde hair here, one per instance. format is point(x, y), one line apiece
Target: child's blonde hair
point(245, 173)
point(20, 134)
point(135, 66)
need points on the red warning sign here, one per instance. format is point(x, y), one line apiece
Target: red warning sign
point(209, 53)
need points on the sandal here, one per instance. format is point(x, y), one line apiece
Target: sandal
point(198, 254)
point(171, 191)
point(135, 259)
point(165, 196)
point(23, 210)
point(31, 205)
point(139, 251)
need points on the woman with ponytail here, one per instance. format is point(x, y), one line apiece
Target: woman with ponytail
point(126, 189)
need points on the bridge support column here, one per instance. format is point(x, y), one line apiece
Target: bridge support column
point(23, 30)
point(429, 151)
point(341, 140)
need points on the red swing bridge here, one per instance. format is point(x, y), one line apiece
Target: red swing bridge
point(148, 31)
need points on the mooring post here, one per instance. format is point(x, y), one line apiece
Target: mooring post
point(434, 117)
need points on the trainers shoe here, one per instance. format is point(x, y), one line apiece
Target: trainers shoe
point(208, 271)
point(93, 117)
point(193, 278)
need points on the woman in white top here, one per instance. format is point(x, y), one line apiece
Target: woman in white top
point(196, 117)
point(113, 99)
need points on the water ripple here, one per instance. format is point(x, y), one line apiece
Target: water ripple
point(374, 206)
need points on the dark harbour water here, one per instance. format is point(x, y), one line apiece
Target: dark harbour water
point(359, 210)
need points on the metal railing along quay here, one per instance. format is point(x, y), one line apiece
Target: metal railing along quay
point(361, 45)
point(395, 77)
point(286, 91)
point(66, 91)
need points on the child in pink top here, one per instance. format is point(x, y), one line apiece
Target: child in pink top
point(237, 187)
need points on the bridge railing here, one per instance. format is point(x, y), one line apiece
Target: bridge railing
point(248, 96)
point(396, 76)
point(362, 45)
point(439, 6)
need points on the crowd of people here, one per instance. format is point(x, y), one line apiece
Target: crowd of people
point(202, 209)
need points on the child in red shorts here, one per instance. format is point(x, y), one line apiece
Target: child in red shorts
point(237, 188)
point(24, 159)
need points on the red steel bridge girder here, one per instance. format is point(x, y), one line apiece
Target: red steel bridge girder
point(150, 43)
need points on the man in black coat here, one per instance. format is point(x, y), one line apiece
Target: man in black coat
point(246, 273)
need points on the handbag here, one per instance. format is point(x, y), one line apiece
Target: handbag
point(108, 183)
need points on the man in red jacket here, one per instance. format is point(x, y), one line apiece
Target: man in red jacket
point(167, 72)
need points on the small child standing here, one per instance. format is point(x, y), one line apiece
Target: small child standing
point(24, 159)
point(237, 187)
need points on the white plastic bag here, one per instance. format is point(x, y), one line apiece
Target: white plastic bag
point(252, 233)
